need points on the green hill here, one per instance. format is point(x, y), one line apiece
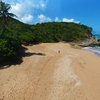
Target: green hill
point(61, 31)
point(49, 32)
point(17, 33)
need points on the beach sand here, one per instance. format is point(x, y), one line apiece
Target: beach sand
point(61, 73)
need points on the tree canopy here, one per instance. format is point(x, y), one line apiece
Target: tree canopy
point(9, 45)
point(5, 14)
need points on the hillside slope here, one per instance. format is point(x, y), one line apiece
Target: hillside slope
point(47, 32)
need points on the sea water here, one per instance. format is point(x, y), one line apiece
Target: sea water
point(97, 36)
point(95, 50)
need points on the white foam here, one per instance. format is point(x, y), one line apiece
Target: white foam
point(93, 49)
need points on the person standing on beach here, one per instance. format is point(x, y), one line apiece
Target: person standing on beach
point(58, 51)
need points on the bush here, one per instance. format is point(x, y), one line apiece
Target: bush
point(9, 48)
point(26, 38)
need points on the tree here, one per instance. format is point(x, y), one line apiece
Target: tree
point(5, 14)
point(9, 43)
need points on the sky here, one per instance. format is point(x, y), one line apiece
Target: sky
point(38, 11)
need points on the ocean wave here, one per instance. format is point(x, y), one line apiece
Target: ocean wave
point(95, 50)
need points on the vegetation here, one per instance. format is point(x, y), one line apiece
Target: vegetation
point(14, 33)
point(48, 32)
point(9, 48)
point(9, 45)
point(60, 31)
point(4, 14)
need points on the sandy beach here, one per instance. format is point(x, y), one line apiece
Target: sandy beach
point(55, 71)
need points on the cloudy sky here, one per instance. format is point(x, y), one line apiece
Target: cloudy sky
point(34, 11)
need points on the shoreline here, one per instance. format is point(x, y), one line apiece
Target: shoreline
point(95, 50)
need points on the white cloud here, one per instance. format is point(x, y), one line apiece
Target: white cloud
point(42, 18)
point(27, 18)
point(25, 10)
point(57, 19)
point(28, 11)
point(17, 9)
point(70, 20)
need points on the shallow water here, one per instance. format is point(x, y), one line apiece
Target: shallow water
point(95, 50)
point(97, 36)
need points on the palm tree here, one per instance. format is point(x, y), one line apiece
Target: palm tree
point(5, 14)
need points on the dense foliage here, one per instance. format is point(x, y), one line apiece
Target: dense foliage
point(9, 45)
point(49, 32)
point(60, 31)
point(9, 48)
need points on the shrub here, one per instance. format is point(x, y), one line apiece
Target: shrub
point(9, 48)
